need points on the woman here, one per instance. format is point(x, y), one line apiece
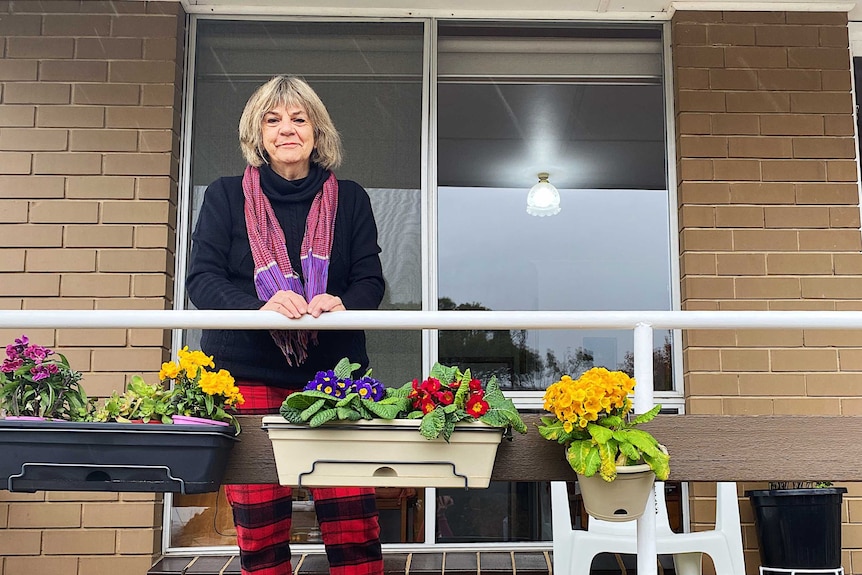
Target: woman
point(287, 236)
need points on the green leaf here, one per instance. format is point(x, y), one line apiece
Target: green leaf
point(583, 457)
point(384, 410)
point(599, 434)
point(322, 417)
point(444, 373)
point(347, 414)
point(347, 399)
point(309, 412)
point(648, 416)
point(608, 455)
point(432, 424)
point(643, 441)
point(291, 414)
point(507, 410)
point(305, 399)
point(344, 369)
point(660, 464)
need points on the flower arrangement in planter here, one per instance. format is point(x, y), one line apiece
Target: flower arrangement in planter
point(198, 392)
point(141, 402)
point(37, 382)
point(592, 418)
point(344, 430)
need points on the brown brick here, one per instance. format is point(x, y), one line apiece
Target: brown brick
point(799, 264)
point(143, 71)
point(775, 17)
point(788, 80)
point(834, 287)
point(98, 236)
point(844, 217)
point(135, 212)
point(841, 171)
point(147, 164)
point(163, 49)
point(36, 93)
point(684, 34)
point(835, 80)
point(14, 163)
point(66, 163)
point(53, 565)
point(755, 57)
point(697, 264)
point(160, 95)
point(832, 384)
point(740, 264)
point(158, 141)
point(807, 406)
point(821, 102)
point(95, 285)
point(11, 261)
point(137, 541)
point(101, 187)
point(706, 240)
point(765, 240)
point(829, 240)
point(151, 285)
point(771, 384)
point(103, 140)
point(61, 260)
point(31, 187)
point(17, 116)
point(767, 288)
point(692, 79)
point(704, 193)
point(28, 235)
point(32, 140)
point(695, 169)
point(830, 148)
point(838, 125)
point(848, 264)
point(73, 71)
point(787, 36)
point(115, 564)
point(827, 194)
point(81, 496)
point(109, 48)
point(136, 260)
point(14, 211)
point(63, 211)
point(20, 542)
point(150, 26)
point(700, 101)
point(44, 515)
point(730, 34)
point(155, 237)
point(20, 25)
point(703, 146)
point(758, 102)
point(18, 70)
point(129, 360)
point(720, 79)
point(797, 217)
point(735, 124)
point(36, 48)
point(744, 359)
point(29, 284)
point(756, 147)
point(70, 117)
point(139, 117)
point(708, 288)
point(747, 406)
point(762, 193)
point(793, 170)
point(738, 170)
point(819, 58)
point(74, 25)
point(91, 338)
point(698, 56)
point(769, 338)
point(691, 123)
point(699, 406)
point(739, 217)
point(697, 217)
point(705, 384)
point(791, 125)
point(109, 94)
point(77, 542)
point(834, 36)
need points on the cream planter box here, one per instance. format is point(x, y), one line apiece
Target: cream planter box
point(381, 453)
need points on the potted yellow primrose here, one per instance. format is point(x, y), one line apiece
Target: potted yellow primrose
point(616, 463)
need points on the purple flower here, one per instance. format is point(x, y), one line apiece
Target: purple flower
point(24, 341)
point(324, 382)
point(10, 365)
point(37, 353)
point(39, 372)
point(370, 388)
point(11, 351)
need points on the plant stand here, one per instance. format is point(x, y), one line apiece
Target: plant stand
point(778, 570)
point(381, 453)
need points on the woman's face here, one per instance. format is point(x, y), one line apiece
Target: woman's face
point(288, 138)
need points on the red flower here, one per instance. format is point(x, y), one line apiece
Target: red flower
point(475, 385)
point(445, 397)
point(476, 406)
point(431, 385)
point(427, 405)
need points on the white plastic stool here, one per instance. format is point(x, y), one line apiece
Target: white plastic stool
point(768, 570)
point(574, 549)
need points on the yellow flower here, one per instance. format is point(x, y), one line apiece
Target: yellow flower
point(190, 361)
point(169, 370)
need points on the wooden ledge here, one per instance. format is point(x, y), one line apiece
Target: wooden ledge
point(702, 448)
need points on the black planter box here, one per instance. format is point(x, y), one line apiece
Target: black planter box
point(132, 457)
point(798, 528)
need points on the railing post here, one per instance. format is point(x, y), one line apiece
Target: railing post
point(643, 351)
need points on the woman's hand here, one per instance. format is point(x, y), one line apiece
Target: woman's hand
point(324, 302)
point(289, 304)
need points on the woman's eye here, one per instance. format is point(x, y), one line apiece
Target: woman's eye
point(299, 120)
point(271, 121)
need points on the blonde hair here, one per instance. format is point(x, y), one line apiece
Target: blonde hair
point(288, 91)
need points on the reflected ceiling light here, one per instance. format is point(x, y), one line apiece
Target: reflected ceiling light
point(543, 198)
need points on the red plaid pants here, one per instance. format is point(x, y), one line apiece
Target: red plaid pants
point(262, 515)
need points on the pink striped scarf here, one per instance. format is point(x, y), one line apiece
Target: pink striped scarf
point(272, 268)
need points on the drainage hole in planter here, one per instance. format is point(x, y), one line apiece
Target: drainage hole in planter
point(621, 512)
point(385, 472)
point(98, 476)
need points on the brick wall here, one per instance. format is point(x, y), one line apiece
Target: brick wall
point(89, 145)
point(769, 220)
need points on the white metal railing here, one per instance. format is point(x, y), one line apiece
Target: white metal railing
point(641, 322)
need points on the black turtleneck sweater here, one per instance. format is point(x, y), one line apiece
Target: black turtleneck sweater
point(221, 273)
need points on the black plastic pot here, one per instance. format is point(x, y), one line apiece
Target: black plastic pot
point(133, 457)
point(798, 528)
